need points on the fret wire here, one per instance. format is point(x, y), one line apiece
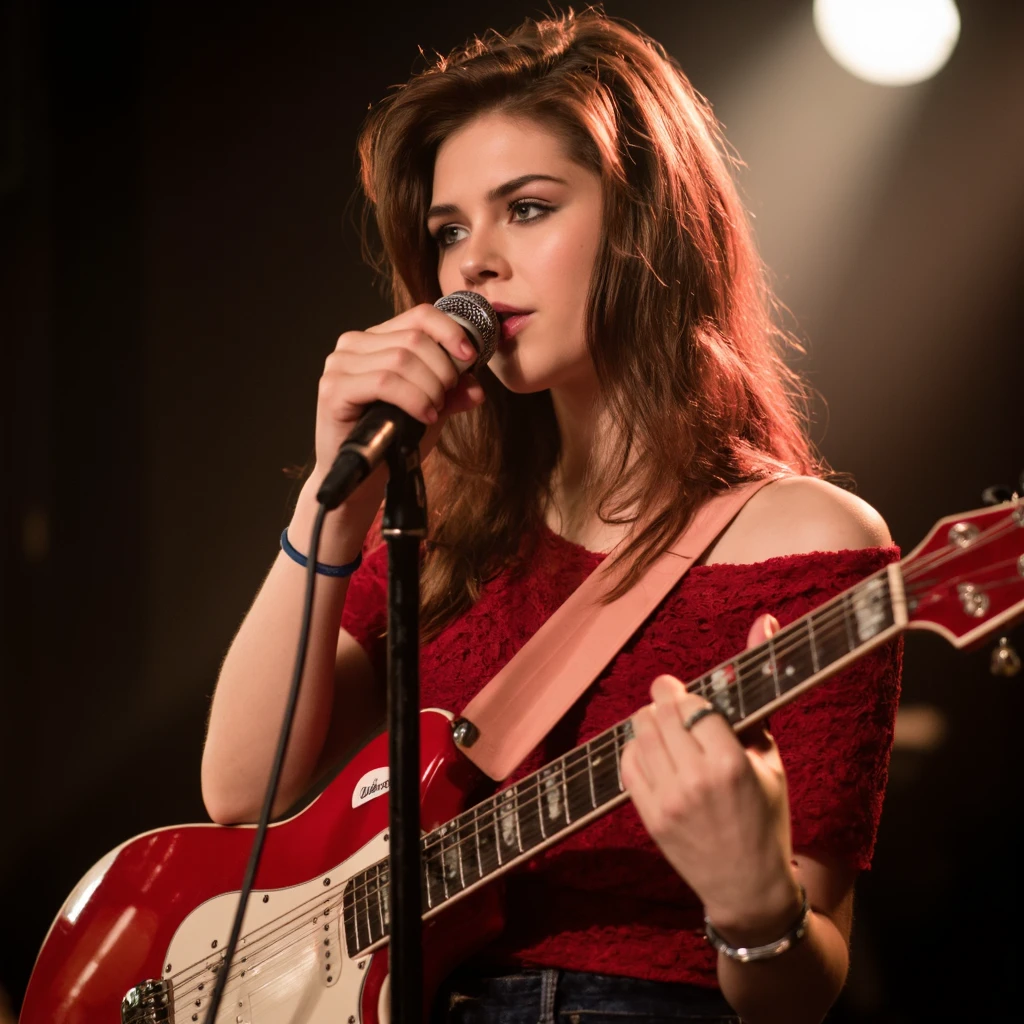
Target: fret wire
point(514, 801)
point(775, 666)
point(366, 908)
point(565, 792)
point(426, 881)
point(590, 772)
point(458, 855)
point(615, 736)
point(738, 682)
point(810, 639)
point(497, 833)
point(355, 915)
point(380, 905)
point(850, 643)
point(617, 754)
point(540, 805)
point(476, 836)
point(444, 866)
point(700, 683)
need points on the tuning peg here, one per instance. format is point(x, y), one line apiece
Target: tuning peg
point(996, 495)
point(1005, 660)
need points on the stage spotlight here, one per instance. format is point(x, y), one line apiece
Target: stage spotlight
point(888, 42)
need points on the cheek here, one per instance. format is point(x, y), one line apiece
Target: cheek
point(448, 277)
point(563, 267)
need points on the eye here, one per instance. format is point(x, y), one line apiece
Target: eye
point(524, 210)
point(448, 234)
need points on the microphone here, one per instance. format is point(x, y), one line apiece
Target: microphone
point(381, 423)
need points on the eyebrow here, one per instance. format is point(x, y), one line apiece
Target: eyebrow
point(447, 209)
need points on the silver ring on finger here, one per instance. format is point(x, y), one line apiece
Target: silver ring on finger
point(702, 712)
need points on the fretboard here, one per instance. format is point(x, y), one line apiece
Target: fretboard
point(564, 795)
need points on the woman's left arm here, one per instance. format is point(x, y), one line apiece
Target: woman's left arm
point(804, 982)
point(719, 810)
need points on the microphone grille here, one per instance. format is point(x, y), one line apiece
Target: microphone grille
point(477, 316)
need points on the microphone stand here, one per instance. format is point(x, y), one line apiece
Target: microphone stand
point(404, 526)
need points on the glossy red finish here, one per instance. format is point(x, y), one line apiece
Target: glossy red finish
point(935, 570)
point(105, 942)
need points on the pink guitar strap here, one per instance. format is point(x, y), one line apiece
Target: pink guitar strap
point(517, 708)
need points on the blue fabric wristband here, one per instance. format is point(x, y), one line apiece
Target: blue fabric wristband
point(321, 567)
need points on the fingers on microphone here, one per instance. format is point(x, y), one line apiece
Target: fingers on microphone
point(412, 341)
point(418, 393)
point(440, 327)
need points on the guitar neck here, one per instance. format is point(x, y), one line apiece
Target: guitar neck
point(563, 796)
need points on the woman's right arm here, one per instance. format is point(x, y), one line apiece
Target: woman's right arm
point(402, 361)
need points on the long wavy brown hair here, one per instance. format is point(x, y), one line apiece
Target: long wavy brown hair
point(680, 325)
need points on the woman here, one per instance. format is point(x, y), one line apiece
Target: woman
point(571, 176)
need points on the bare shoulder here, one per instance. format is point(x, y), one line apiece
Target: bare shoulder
point(796, 515)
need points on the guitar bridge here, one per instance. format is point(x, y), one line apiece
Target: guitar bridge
point(147, 1003)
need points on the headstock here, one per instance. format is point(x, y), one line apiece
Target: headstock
point(965, 580)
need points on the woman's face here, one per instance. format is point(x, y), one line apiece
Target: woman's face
point(519, 222)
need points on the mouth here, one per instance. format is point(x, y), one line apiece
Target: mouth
point(511, 320)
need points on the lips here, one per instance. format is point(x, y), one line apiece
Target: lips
point(512, 320)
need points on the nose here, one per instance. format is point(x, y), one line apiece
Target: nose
point(483, 259)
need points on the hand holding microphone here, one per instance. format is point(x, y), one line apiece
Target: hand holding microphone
point(383, 380)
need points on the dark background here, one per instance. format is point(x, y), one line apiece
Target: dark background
point(178, 256)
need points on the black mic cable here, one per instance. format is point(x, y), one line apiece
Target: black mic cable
point(359, 454)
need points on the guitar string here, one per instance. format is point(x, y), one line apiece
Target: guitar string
point(515, 805)
point(531, 791)
point(527, 795)
point(521, 799)
point(528, 790)
point(366, 891)
point(826, 629)
point(991, 533)
point(363, 892)
point(985, 584)
point(298, 918)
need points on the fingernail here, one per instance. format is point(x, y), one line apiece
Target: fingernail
point(432, 414)
point(466, 350)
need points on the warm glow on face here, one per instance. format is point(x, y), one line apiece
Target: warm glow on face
point(888, 42)
point(519, 222)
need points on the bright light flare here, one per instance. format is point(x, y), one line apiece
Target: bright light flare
point(888, 42)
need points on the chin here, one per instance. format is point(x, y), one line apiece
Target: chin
point(522, 375)
point(516, 375)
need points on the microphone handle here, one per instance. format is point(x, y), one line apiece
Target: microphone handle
point(363, 450)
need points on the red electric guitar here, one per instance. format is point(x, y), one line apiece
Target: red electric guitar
point(140, 938)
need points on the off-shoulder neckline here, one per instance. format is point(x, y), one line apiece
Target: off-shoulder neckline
point(558, 541)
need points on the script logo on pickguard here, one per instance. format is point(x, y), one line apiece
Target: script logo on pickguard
point(372, 785)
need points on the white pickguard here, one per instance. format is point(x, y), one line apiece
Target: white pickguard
point(289, 977)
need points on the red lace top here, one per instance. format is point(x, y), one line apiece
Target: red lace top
point(605, 899)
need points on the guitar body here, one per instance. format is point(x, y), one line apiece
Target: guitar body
point(155, 914)
point(152, 918)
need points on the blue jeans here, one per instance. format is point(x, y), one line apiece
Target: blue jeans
point(569, 997)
